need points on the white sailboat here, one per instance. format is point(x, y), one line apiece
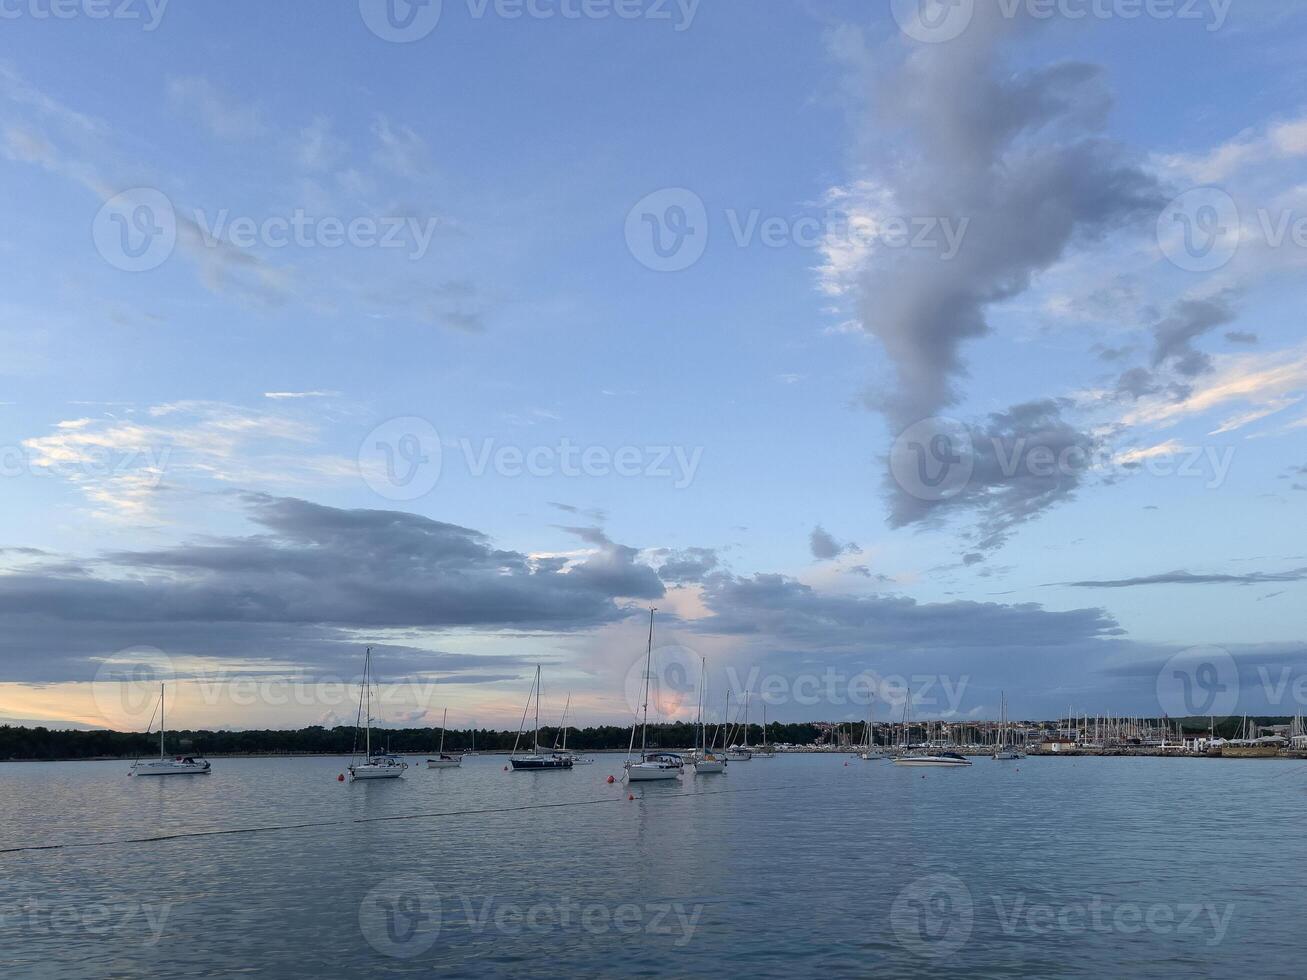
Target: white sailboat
point(537, 761)
point(765, 751)
point(375, 765)
point(443, 759)
point(652, 765)
point(705, 760)
point(1003, 751)
point(869, 752)
point(561, 747)
point(741, 753)
point(164, 766)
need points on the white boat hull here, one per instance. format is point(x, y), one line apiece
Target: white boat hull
point(452, 763)
point(372, 770)
point(709, 766)
point(647, 771)
point(170, 767)
point(909, 760)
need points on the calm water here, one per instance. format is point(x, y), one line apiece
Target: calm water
point(782, 868)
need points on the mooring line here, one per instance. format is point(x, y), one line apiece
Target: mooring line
point(156, 838)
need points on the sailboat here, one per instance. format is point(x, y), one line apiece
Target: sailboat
point(176, 766)
point(869, 751)
point(765, 751)
point(537, 761)
point(1003, 751)
point(741, 753)
point(652, 765)
point(561, 748)
point(705, 760)
point(375, 765)
point(443, 760)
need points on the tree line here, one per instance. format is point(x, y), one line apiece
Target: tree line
point(45, 743)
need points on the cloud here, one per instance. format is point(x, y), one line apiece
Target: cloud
point(1022, 462)
point(778, 608)
point(400, 150)
point(1019, 156)
point(318, 147)
point(687, 565)
point(122, 462)
point(283, 395)
point(301, 588)
point(1240, 337)
point(219, 113)
point(1191, 578)
point(824, 547)
point(1173, 336)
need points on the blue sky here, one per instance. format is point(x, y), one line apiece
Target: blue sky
point(185, 443)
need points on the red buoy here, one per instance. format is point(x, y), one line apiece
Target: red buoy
point(611, 780)
point(340, 778)
point(505, 768)
point(630, 796)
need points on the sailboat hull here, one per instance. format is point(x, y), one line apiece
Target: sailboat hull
point(452, 763)
point(540, 765)
point(381, 772)
point(170, 767)
point(706, 766)
point(646, 772)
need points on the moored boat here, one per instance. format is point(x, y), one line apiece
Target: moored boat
point(182, 765)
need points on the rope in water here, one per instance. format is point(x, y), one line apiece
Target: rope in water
point(377, 819)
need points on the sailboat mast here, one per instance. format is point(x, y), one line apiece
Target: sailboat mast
point(161, 724)
point(443, 719)
point(538, 693)
point(648, 669)
point(367, 689)
point(703, 683)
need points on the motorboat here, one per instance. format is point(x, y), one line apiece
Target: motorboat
point(943, 759)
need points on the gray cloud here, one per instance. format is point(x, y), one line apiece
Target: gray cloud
point(1024, 460)
point(1020, 156)
point(301, 586)
point(779, 608)
point(1241, 337)
point(687, 565)
point(1181, 577)
point(824, 546)
point(1173, 336)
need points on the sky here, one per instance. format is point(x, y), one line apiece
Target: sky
point(946, 348)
